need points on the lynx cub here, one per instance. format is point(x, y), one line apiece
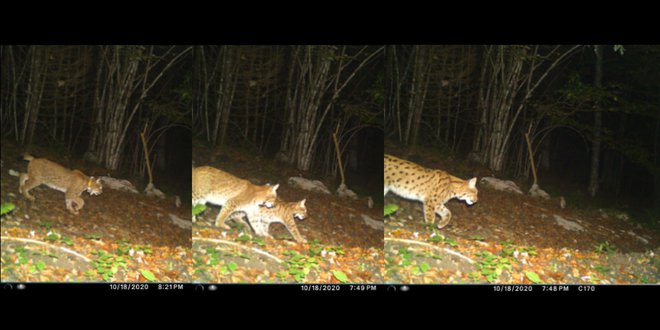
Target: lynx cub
point(71, 182)
point(211, 185)
point(431, 187)
point(282, 212)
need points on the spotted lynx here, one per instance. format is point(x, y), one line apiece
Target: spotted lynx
point(431, 187)
point(284, 213)
point(71, 182)
point(211, 185)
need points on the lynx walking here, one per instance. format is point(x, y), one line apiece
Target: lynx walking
point(431, 187)
point(71, 182)
point(211, 185)
point(284, 213)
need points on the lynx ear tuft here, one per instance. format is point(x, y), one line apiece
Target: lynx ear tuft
point(472, 183)
point(276, 186)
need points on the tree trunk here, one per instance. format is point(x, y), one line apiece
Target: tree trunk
point(509, 77)
point(38, 66)
point(317, 76)
point(656, 156)
point(418, 92)
point(595, 154)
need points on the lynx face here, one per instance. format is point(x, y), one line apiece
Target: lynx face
point(212, 185)
point(71, 182)
point(431, 187)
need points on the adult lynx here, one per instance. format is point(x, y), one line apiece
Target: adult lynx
point(71, 182)
point(431, 187)
point(211, 185)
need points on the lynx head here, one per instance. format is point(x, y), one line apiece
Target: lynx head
point(299, 210)
point(266, 195)
point(467, 191)
point(94, 186)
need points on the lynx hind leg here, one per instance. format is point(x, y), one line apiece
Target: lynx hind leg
point(260, 227)
point(239, 217)
point(25, 185)
point(223, 216)
point(445, 214)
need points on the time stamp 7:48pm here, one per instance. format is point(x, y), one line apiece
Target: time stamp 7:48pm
point(543, 288)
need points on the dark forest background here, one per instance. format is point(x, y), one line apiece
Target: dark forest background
point(93, 102)
point(287, 102)
point(592, 113)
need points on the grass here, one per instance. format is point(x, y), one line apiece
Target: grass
point(605, 248)
point(436, 237)
point(55, 237)
point(107, 264)
point(299, 265)
point(491, 266)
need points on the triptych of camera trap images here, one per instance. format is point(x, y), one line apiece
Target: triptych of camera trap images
point(507, 164)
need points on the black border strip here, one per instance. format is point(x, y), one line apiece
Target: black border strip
point(384, 290)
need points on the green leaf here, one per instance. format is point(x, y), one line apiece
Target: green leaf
point(436, 238)
point(451, 242)
point(424, 267)
point(258, 240)
point(389, 209)
point(6, 208)
point(41, 265)
point(148, 275)
point(199, 208)
point(340, 276)
point(533, 277)
point(232, 266)
point(66, 240)
point(52, 237)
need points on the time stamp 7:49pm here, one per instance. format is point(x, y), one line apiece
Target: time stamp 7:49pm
point(334, 287)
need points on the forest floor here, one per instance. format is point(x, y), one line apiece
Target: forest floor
point(517, 239)
point(118, 236)
point(341, 246)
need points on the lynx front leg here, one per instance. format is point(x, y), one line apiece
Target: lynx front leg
point(429, 212)
point(445, 214)
point(78, 201)
point(295, 233)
